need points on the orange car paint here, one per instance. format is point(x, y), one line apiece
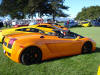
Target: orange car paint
point(51, 46)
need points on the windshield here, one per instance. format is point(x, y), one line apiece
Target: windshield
point(84, 22)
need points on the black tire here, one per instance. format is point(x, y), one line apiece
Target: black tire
point(31, 55)
point(87, 48)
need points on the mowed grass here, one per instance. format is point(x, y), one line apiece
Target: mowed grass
point(83, 64)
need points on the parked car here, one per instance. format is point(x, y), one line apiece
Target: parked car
point(95, 22)
point(98, 73)
point(29, 48)
point(85, 23)
point(18, 25)
point(25, 29)
point(70, 23)
point(47, 28)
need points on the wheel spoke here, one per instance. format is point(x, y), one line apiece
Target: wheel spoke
point(87, 48)
point(30, 56)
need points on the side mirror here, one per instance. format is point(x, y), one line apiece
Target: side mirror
point(77, 38)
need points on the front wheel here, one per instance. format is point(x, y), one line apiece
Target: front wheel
point(30, 56)
point(87, 48)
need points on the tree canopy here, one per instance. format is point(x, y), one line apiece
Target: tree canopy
point(21, 8)
point(92, 12)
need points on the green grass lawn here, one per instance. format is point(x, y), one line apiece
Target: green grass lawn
point(83, 64)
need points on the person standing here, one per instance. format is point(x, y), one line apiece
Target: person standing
point(66, 24)
point(1, 24)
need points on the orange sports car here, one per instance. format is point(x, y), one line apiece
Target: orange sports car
point(29, 48)
point(48, 26)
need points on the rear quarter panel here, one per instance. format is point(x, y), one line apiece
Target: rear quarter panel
point(84, 40)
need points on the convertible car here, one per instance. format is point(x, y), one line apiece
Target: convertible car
point(47, 28)
point(25, 29)
point(30, 48)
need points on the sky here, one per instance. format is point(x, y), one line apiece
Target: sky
point(76, 6)
point(0, 1)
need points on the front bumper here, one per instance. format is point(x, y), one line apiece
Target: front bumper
point(12, 54)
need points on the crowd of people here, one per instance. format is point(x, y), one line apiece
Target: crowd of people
point(10, 23)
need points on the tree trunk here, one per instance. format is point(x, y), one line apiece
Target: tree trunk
point(53, 16)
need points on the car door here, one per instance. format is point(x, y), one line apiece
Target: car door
point(68, 46)
point(64, 46)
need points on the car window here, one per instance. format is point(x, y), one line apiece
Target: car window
point(34, 30)
point(84, 22)
point(22, 29)
point(30, 30)
point(72, 35)
point(43, 26)
point(46, 26)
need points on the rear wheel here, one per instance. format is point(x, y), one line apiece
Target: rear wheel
point(31, 55)
point(87, 48)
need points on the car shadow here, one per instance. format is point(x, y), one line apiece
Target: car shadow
point(97, 49)
point(64, 57)
point(57, 58)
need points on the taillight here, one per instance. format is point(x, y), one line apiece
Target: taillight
point(0, 31)
point(12, 41)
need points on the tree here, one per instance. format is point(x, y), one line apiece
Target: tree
point(57, 6)
point(92, 12)
point(12, 8)
point(48, 7)
point(20, 8)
